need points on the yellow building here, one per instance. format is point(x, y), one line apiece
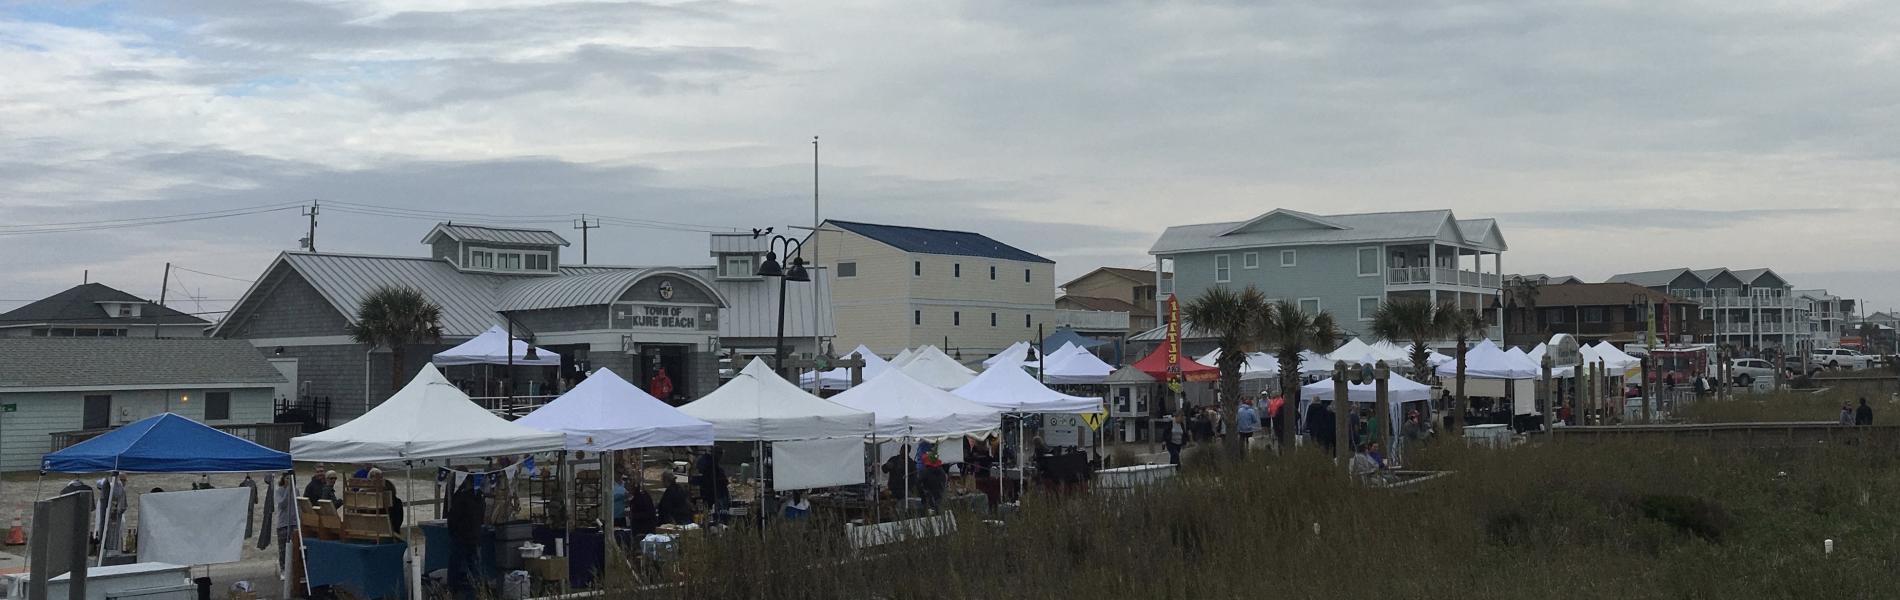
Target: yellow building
point(898, 287)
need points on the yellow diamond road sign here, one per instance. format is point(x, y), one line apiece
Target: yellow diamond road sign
point(1094, 419)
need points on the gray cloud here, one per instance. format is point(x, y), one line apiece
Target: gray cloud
point(1655, 218)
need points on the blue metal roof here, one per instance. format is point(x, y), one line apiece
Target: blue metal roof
point(939, 241)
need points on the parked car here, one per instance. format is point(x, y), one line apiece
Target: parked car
point(1841, 358)
point(1746, 371)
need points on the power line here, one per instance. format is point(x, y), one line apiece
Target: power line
point(237, 279)
point(157, 221)
point(148, 218)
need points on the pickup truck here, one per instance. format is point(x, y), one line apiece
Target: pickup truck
point(1840, 358)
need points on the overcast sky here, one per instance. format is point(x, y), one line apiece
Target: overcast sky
point(1605, 136)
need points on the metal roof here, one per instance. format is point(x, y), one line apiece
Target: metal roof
point(80, 305)
point(467, 299)
point(1282, 227)
point(79, 363)
point(592, 287)
point(940, 241)
point(497, 235)
point(752, 305)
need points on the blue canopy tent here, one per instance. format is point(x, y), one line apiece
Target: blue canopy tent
point(166, 443)
point(1064, 335)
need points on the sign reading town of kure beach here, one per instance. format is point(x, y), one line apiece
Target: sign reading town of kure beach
point(662, 316)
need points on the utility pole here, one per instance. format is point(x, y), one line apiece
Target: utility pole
point(817, 344)
point(310, 241)
point(165, 285)
point(583, 224)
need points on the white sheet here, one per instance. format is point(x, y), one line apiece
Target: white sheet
point(819, 463)
point(200, 527)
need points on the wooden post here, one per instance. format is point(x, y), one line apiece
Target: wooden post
point(1589, 391)
point(1382, 405)
point(1549, 393)
point(1342, 439)
point(1458, 404)
point(1648, 390)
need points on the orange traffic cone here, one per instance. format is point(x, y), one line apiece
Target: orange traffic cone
point(16, 535)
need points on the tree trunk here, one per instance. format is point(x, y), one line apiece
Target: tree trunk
point(1230, 403)
point(1289, 401)
point(1458, 402)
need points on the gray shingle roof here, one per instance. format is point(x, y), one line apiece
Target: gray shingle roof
point(1282, 227)
point(497, 235)
point(31, 362)
point(1648, 278)
point(80, 304)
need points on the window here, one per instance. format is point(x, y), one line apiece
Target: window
point(1025, 275)
point(1222, 268)
point(956, 318)
point(917, 268)
point(539, 262)
point(916, 317)
point(1250, 260)
point(1309, 306)
point(1025, 320)
point(481, 260)
point(992, 319)
point(508, 262)
point(992, 272)
point(848, 269)
point(1367, 306)
point(1593, 315)
point(737, 265)
point(1558, 316)
point(956, 269)
point(217, 406)
point(98, 412)
point(1368, 262)
point(1289, 258)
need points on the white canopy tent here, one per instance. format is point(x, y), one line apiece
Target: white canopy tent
point(492, 347)
point(1393, 354)
point(903, 358)
point(428, 419)
point(938, 370)
point(759, 405)
point(1399, 390)
point(1258, 365)
point(1536, 356)
point(840, 378)
point(1074, 365)
point(908, 408)
point(604, 412)
point(1486, 361)
point(1619, 363)
point(1018, 352)
point(1009, 388)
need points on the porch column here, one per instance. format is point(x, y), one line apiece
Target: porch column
point(1160, 318)
point(1431, 263)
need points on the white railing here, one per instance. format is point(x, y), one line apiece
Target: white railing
point(1442, 276)
point(1092, 320)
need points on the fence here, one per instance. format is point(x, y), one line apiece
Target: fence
point(275, 436)
point(511, 407)
point(312, 412)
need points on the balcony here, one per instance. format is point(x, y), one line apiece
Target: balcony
point(1092, 320)
point(1427, 276)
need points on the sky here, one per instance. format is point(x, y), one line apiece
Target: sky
point(1605, 137)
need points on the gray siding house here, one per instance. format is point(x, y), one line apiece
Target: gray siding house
point(1341, 264)
point(98, 310)
point(51, 385)
point(299, 311)
point(1750, 308)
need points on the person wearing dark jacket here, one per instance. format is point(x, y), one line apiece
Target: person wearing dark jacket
point(712, 482)
point(675, 507)
point(934, 482)
point(642, 517)
point(318, 489)
point(1319, 426)
point(466, 509)
point(1865, 414)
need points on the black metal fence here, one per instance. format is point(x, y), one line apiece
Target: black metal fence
point(312, 412)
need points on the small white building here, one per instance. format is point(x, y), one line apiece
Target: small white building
point(57, 391)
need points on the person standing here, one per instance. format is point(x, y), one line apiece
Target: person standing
point(318, 490)
point(1847, 414)
point(675, 507)
point(1319, 426)
point(466, 512)
point(713, 484)
point(1246, 421)
point(1865, 414)
point(1177, 436)
point(642, 517)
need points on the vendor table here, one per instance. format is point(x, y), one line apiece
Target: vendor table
point(366, 570)
point(586, 553)
point(435, 549)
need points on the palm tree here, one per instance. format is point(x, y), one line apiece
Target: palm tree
point(1522, 293)
point(1290, 332)
point(1462, 325)
point(1417, 321)
point(1234, 318)
point(396, 317)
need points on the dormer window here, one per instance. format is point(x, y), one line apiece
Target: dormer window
point(737, 266)
point(121, 310)
point(511, 260)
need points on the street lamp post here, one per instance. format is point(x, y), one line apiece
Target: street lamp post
point(508, 405)
point(793, 270)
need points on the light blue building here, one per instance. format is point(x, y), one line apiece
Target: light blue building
point(1342, 264)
